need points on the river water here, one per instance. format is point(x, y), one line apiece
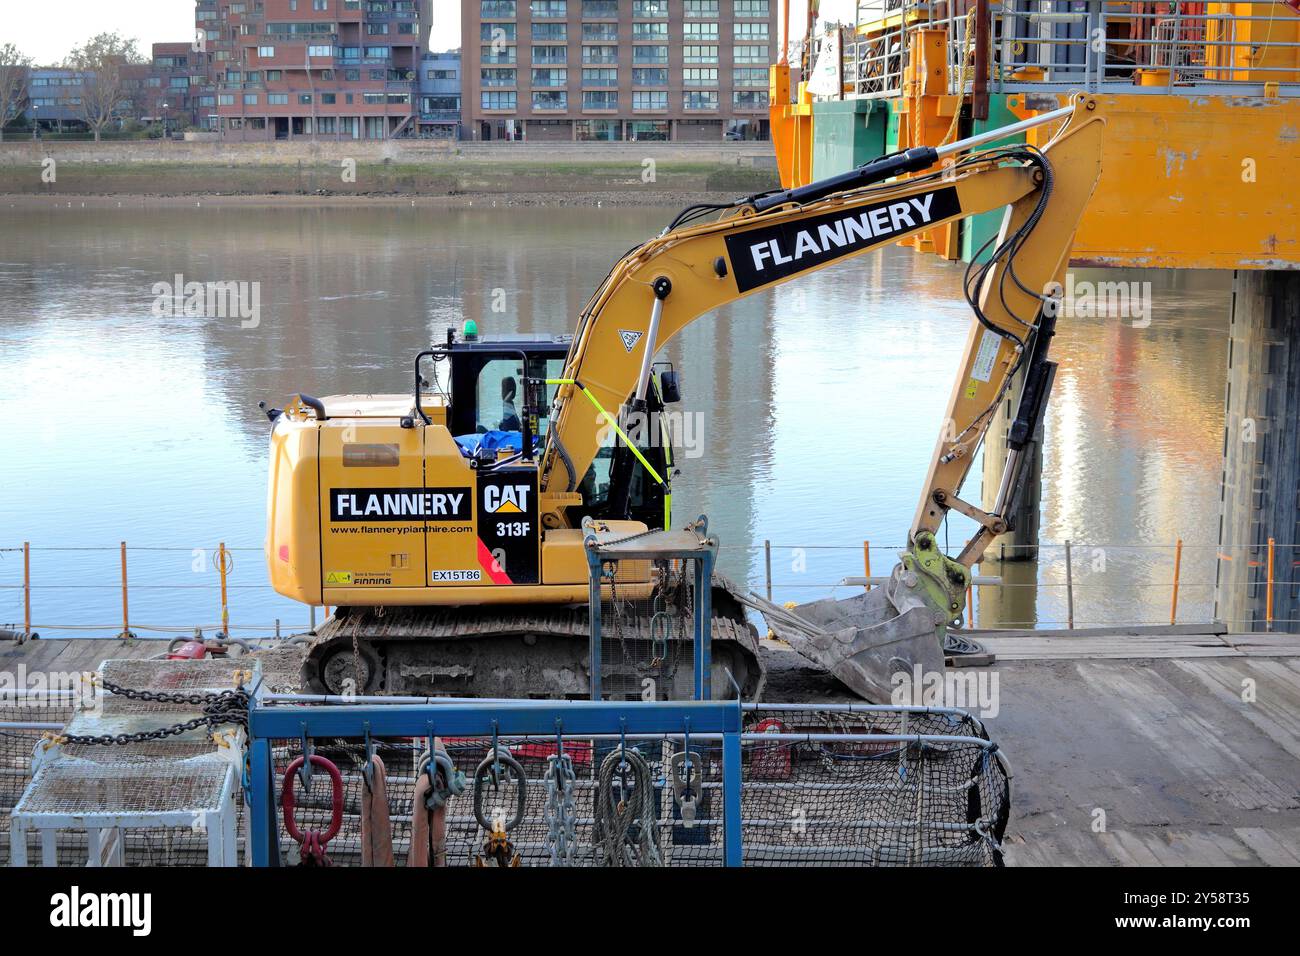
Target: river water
point(817, 403)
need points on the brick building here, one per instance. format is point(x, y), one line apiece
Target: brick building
point(679, 70)
point(282, 69)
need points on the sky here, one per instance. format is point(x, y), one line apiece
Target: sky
point(48, 31)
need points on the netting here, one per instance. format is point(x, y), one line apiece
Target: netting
point(647, 633)
point(923, 789)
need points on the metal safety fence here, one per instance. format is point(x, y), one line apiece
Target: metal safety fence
point(1059, 584)
point(1248, 48)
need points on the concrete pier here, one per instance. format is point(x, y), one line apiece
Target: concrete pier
point(1261, 455)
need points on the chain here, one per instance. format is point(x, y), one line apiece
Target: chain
point(225, 707)
point(561, 810)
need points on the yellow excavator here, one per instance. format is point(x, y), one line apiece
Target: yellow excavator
point(445, 525)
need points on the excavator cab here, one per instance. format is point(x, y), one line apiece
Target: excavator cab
point(496, 383)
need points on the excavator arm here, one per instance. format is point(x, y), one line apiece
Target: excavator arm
point(751, 245)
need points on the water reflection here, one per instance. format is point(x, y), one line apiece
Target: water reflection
point(820, 400)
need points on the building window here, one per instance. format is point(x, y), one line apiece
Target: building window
point(749, 76)
point(750, 31)
point(250, 99)
point(377, 53)
point(649, 54)
point(701, 8)
point(749, 54)
point(550, 55)
point(607, 131)
point(649, 100)
point(651, 76)
point(277, 99)
point(266, 52)
point(751, 8)
point(320, 51)
point(600, 54)
point(304, 99)
point(695, 32)
point(649, 131)
point(692, 100)
point(700, 54)
point(497, 32)
point(650, 8)
point(352, 75)
point(551, 32)
point(600, 100)
point(497, 78)
point(377, 29)
point(550, 100)
point(649, 31)
point(500, 9)
point(600, 77)
point(555, 78)
point(548, 9)
point(497, 100)
point(329, 99)
point(223, 99)
point(697, 76)
point(599, 31)
point(494, 54)
point(600, 8)
point(273, 76)
point(749, 99)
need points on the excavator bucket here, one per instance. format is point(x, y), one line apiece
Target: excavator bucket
point(866, 639)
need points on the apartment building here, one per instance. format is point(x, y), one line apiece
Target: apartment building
point(440, 82)
point(165, 91)
point(617, 70)
point(54, 98)
point(283, 69)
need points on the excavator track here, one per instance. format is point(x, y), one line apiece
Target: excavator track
point(508, 651)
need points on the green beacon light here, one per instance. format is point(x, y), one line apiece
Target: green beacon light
point(471, 330)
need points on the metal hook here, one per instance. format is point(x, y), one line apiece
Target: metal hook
point(368, 768)
point(304, 772)
point(496, 757)
point(686, 747)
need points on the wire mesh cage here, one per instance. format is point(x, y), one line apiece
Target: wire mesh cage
point(819, 787)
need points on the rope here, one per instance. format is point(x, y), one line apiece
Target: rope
point(626, 831)
point(376, 824)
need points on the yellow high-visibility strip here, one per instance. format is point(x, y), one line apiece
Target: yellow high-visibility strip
point(612, 424)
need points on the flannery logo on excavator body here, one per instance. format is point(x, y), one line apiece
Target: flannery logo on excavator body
point(766, 255)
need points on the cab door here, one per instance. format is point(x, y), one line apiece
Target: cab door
point(373, 504)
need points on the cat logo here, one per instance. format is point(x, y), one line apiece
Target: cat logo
point(335, 578)
point(505, 499)
point(630, 338)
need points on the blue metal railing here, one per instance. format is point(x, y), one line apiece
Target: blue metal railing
point(487, 719)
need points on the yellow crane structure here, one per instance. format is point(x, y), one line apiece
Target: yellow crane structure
point(1202, 101)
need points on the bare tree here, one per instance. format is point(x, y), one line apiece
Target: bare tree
point(103, 83)
point(14, 67)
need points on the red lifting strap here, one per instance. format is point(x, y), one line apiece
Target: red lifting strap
point(313, 841)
